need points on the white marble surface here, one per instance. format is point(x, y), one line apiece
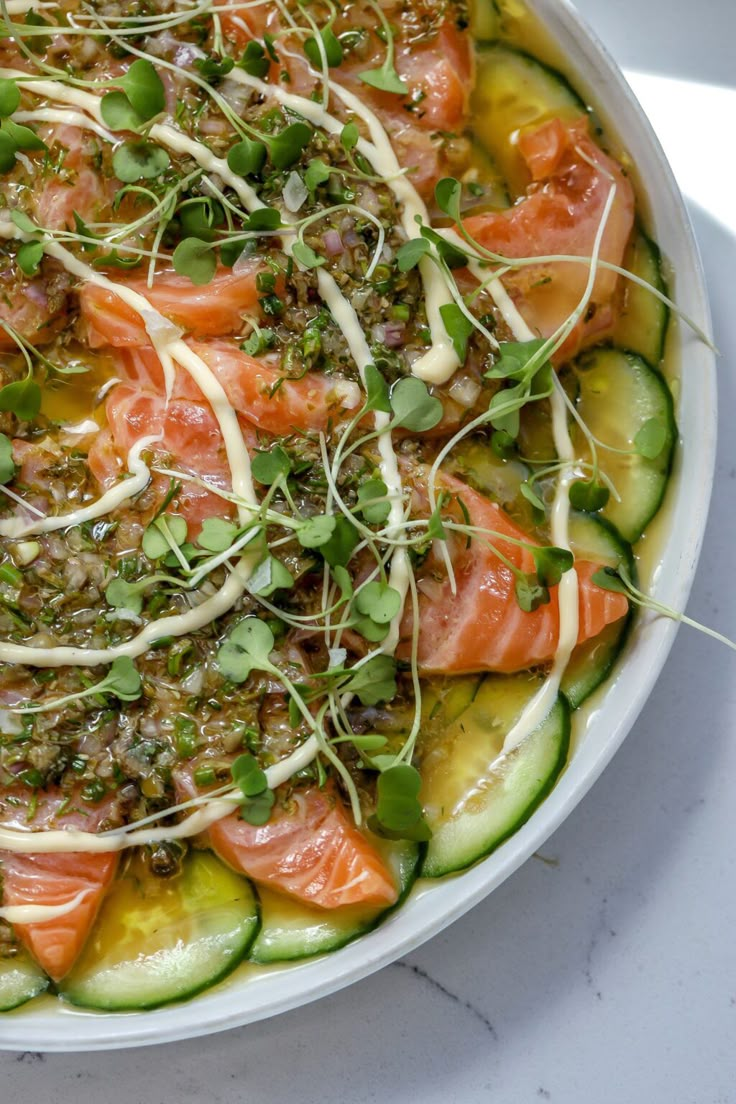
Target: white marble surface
point(603, 971)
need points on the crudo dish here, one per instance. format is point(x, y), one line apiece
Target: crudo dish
point(355, 377)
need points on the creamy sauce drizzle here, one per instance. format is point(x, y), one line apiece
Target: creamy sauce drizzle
point(441, 361)
point(16, 527)
point(40, 914)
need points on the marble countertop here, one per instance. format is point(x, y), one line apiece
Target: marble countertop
point(604, 970)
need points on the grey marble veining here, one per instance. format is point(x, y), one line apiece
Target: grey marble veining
point(603, 971)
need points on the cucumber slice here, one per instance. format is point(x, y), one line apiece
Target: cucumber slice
point(158, 940)
point(476, 463)
point(20, 980)
point(619, 393)
point(473, 798)
point(485, 22)
point(592, 538)
point(514, 91)
point(292, 930)
point(642, 324)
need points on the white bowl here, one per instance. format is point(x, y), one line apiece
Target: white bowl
point(254, 994)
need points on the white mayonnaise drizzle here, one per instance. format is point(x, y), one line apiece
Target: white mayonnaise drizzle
point(139, 476)
point(441, 361)
point(64, 118)
point(39, 914)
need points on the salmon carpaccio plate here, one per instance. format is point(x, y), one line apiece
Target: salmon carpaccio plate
point(332, 409)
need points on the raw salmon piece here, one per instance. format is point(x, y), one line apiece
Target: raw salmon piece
point(260, 393)
point(190, 441)
point(56, 878)
point(310, 850)
point(33, 307)
point(79, 186)
point(561, 215)
point(214, 310)
point(482, 627)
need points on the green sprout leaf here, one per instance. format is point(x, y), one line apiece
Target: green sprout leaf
point(139, 161)
point(385, 79)
point(122, 680)
point(306, 256)
point(373, 502)
point(214, 68)
point(9, 97)
point(530, 593)
point(518, 360)
point(651, 439)
point(551, 564)
point(257, 810)
point(265, 218)
point(448, 193)
point(196, 259)
point(341, 545)
point(22, 137)
point(459, 328)
point(23, 222)
point(607, 578)
point(399, 813)
point(248, 776)
point(318, 172)
point(332, 48)
point(121, 594)
point(268, 467)
point(349, 136)
point(254, 60)
point(252, 782)
point(217, 534)
point(287, 146)
point(270, 575)
point(410, 253)
point(162, 535)
point(588, 496)
point(7, 464)
point(377, 390)
point(247, 157)
point(22, 398)
point(246, 649)
point(504, 408)
point(29, 257)
point(413, 406)
point(372, 682)
point(316, 531)
point(531, 495)
point(118, 112)
point(379, 601)
point(144, 88)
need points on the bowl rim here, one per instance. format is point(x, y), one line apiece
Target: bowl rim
point(240, 1000)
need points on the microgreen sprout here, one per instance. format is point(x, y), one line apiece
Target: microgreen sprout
point(122, 681)
point(258, 799)
point(385, 78)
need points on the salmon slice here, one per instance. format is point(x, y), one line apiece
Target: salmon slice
point(482, 627)
point(36, 309)
point(214, 310)
point(267, 399)
point(191, 441)
point(55, 879)
point(310, 850)
point(561, 215)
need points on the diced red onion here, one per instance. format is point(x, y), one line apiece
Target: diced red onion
point(351, 238)
point(393, 334)
point(333, 243)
